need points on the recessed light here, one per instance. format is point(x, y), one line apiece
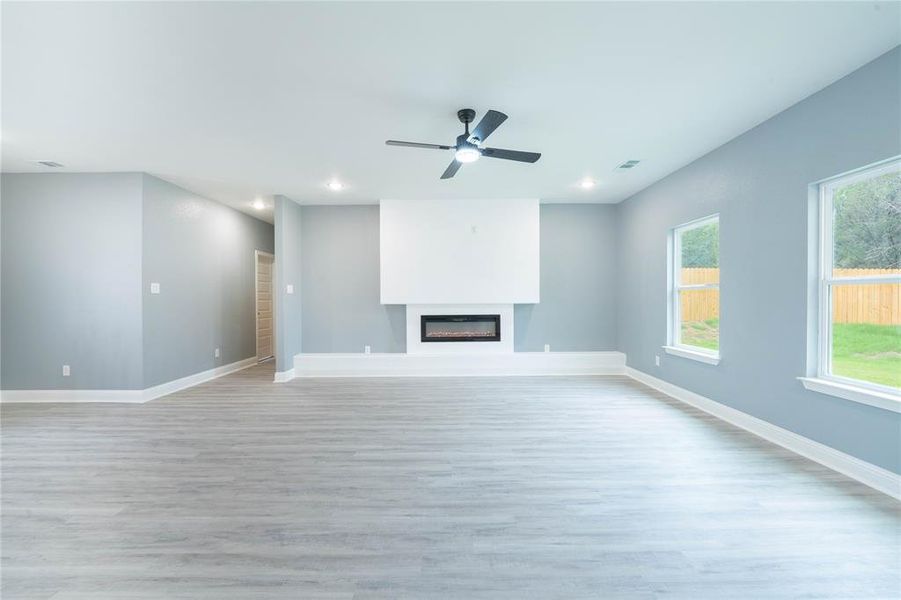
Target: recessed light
point(258, 204)
point(586, 184)
point(629, 164)
point(335, 185)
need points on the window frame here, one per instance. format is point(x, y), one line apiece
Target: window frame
point(674, 334)
point(826, 281)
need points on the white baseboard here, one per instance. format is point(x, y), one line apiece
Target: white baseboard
point(55, 396)
point(170, 387)
point(869, 474)
point(283, 376)
point(124, 396)
point(456, 365)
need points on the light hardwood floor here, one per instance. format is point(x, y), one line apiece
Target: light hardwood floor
point(462, 488)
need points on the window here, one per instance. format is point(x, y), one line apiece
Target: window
point(695, 291)
point(859, 325)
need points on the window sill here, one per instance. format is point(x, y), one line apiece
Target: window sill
point(854, 393)
point(704, 357)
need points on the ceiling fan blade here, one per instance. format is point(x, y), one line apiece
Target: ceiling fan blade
point(451, 169)
point(489, 123)
point(528, 157)
point(418, 145)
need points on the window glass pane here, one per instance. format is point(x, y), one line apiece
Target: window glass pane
point(698, 275)
point(867, 227)
point(700, 318)
point(701, 246)
point(866, 332)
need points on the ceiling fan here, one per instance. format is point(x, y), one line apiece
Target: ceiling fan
point(469, 145)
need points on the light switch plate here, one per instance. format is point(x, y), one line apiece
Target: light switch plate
point(66, 371)
point(216, 353)
point(289, 289)
point(154, 288)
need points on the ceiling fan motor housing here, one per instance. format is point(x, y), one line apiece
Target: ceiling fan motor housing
point(466, 115)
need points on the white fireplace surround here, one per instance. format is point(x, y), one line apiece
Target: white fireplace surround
point(415, 345)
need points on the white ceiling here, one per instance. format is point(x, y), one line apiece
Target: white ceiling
point(235, 100)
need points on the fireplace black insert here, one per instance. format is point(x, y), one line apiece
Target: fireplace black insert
point(461, 328)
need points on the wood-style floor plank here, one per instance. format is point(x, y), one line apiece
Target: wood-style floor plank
point(463, 488)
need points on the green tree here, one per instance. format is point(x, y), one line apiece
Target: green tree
point(867, 223)
point(701, 246)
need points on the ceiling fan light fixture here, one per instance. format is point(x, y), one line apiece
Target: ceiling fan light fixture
point(467, 154)
point(468, 147)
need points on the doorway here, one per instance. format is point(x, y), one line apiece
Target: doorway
point(264, 273)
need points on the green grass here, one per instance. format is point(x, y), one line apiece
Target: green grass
point(859, 350)
point(867, 352)
point(702, 334)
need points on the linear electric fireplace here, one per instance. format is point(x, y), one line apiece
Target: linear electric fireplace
point(461, 328)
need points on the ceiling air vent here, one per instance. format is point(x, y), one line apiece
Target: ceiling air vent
point(629, 164)
point(48, 163)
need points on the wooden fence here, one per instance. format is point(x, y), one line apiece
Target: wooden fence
point(700, 305)
point(870, 303)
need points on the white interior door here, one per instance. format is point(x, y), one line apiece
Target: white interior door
point(264, 305)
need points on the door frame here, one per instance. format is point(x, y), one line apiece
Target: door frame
point(256, 303)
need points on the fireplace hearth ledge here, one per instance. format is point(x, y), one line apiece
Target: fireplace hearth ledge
point(398, 364)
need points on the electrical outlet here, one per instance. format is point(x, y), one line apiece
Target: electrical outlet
point(547, 347)
point(657, 359)
point(154, 287)
point(216, 353)
point(66, 371)
point(367, 349)
point(289, 289)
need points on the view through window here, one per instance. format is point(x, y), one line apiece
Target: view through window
point(860, 294)
point(696, 277)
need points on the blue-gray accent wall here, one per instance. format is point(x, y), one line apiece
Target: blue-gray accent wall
point(71, 287)
point(758, 183)
point(577, 311)
point(342, 310)
point(342, 307)
point(79, 251)
point(288, 252)
point(201, 253)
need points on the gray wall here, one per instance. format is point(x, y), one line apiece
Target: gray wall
point(342, 312)
point(288, 219)
point(202, 254)
point(342, 309)
point(71, 288)
point(759, 185)
point(578, 263)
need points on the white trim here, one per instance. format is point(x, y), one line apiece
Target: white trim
point(170, 387)
point(704, 357)
point(869, 474)
point(454, 365)
point(819, 368)
point(124, 396)
point(44, 396)
point(854, 393)
point(283, 376)
point(675, 285)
